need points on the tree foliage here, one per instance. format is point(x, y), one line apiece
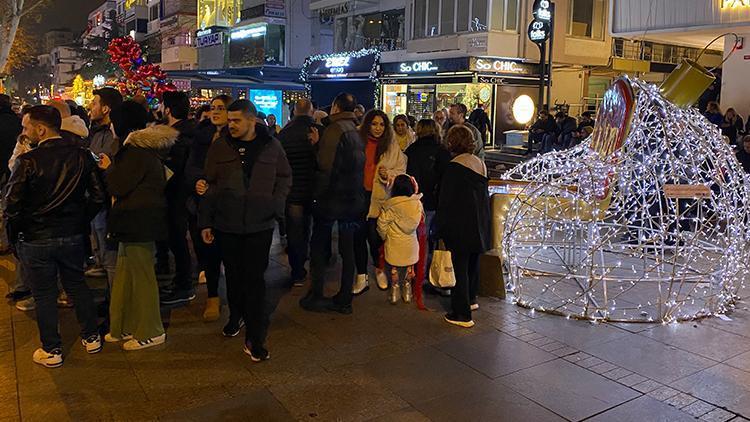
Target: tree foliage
point(14, 13)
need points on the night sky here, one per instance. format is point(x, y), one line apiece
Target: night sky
point(67, 13)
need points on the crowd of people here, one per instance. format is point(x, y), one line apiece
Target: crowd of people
point(560, 132)
point(118, 196)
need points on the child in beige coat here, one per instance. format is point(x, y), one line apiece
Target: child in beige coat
point(397, 225)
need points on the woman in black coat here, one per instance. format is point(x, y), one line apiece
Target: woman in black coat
point(426, 161)
point(463, 221)
point(136, 178)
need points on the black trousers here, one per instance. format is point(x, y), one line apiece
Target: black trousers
point(320, 244)
point(177, 225)
point(245, 259)
point(466, 269)
point(367, 235)
point(209, 259)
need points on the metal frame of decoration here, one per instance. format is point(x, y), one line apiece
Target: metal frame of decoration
point(656, 230)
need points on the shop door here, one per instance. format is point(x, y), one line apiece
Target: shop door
point(421, 101)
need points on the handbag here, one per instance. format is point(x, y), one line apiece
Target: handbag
point(441, 269)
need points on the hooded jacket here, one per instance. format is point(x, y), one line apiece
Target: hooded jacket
point(177, 159)
point(54, 191)
point(137, 179)
point(397, 225)
point(301, 155)
point(463, 214)
point(232, 205)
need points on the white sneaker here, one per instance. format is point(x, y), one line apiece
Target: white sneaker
point(474, 306)
point(381, 279)
point(28, 304)
point(93, 344)
point(361, 284)
point(134, 344)
point(109, 338)
point(202, 277)
point(51, 359)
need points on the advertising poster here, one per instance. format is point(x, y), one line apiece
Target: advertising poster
point(267, 101)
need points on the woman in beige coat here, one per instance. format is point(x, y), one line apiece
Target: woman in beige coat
point(383, 162)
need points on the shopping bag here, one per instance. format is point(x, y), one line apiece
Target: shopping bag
point(441, 269)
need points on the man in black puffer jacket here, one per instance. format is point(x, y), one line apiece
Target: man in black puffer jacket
point(339, 195)
point(295, 138)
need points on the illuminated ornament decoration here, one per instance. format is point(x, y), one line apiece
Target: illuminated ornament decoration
point(99, 81)
point(304, 75)
point(646, 220)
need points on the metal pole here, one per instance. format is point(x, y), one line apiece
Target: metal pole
point(549, 61)
point(540, 100)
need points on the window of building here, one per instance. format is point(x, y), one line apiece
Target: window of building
point(153, 13)
point(446, 17)
point(504, 15)
point(478, 16)
point(462, 17)
point(433, 10)
point(384, 31)
point(419, 17)
point(586, 19)
point(256, 45)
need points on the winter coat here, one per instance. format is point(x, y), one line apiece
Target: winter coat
point(103, 141)
point(233, 205)
point(463, 214)
point(397, 225)
point(339, 191)
point(301, 155)
point(54, 191)
point(404, 141)
point(177, 190)
point(394, 161)
point(10, 128)
point(427, 159)
point(137, 179)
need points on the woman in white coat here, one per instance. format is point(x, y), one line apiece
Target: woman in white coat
point(383, 162)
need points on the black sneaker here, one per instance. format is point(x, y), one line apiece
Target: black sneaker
point(178, 296)
point(313, 303)
point(458, 321)
point(18, 295)
point(233, 328)
point(257, 354)
point(342, 309)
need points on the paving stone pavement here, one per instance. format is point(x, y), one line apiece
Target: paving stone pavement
point(385, 363)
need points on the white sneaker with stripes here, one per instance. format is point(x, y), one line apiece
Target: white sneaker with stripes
point(134, 344)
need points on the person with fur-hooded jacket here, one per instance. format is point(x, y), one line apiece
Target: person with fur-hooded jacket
point(136, 179)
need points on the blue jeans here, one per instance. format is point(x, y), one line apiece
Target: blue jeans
point(42, 261)
point(106, 254)
point(320, 245)
point(298, 237)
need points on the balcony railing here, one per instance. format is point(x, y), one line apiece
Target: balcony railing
point(654, 52)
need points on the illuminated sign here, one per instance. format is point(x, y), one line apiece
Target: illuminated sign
point(523, 109)
point(730, 4)
point(337, 65)
point(249, 32)
point(267, 101)
point(540, 28)
point(482, 64)
point(218, 13)
point(130, 3)
point(417, 67)
point(360, 63)
point(209, 40)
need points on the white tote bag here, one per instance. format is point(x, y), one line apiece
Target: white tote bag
point(441, 269)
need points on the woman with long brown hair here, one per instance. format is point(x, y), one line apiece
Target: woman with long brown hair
point(383, 162)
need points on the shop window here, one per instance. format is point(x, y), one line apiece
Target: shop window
point(257, 45)
point(586, 19)
point(447, 17)
point(384, 31)
point(419, 18)
point(478, 16)
point(274, 45)
point(394, 100)
point(504, 15)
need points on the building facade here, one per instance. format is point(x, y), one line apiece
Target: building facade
point(690, 25)
point(57, 37)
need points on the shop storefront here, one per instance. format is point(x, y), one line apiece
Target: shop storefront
point(418, 88)
point(354, 72)
point(272, 90)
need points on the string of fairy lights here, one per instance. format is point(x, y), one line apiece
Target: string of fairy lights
point(373, 74)
point(598, 238)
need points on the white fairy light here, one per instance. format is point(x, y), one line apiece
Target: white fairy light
point(642, 256)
